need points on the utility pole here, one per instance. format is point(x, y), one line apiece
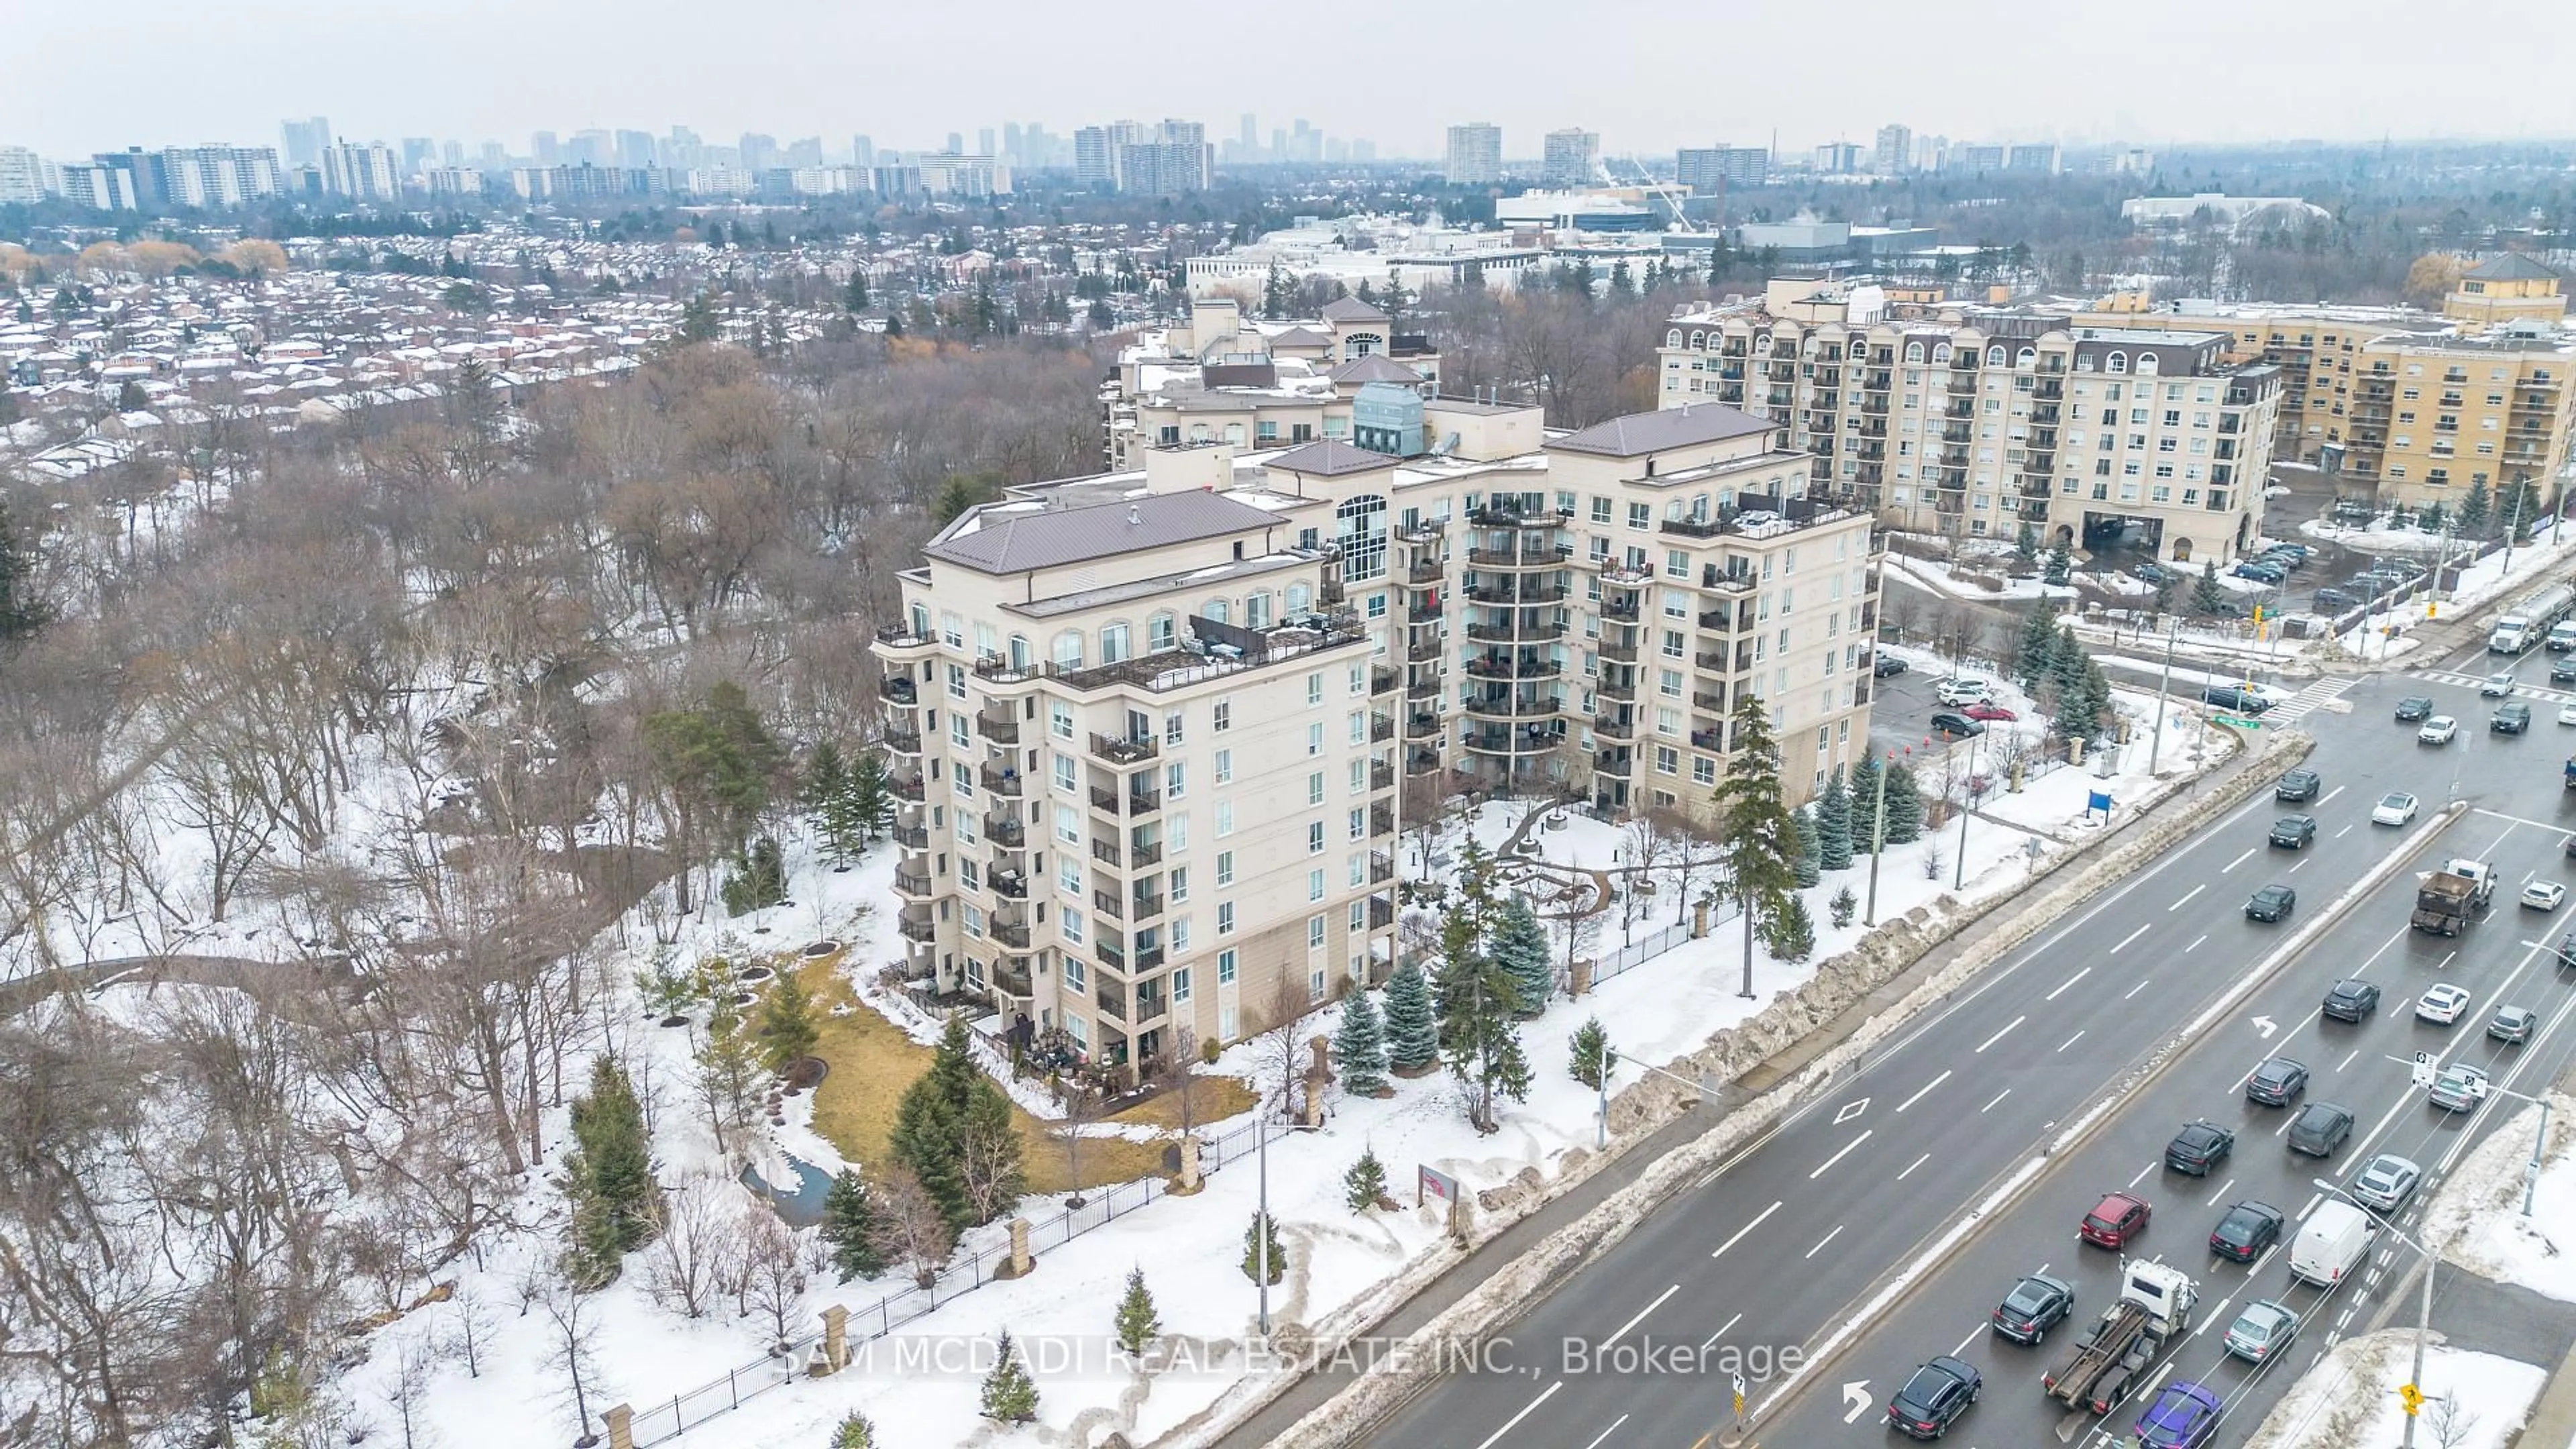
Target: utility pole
point(2164, 682)
point(1967, 807)
point(2512, 526)
point(1261, 1230)
point(1877, 838)
point(2424, 1309)
point(2531, 1178)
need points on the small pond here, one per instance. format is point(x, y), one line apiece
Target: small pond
point(802, 1207)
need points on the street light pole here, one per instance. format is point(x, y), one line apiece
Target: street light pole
point(2531, 1178)
point(2424, 1309)
point(1966, 809)
point(1877, 838)
point(2164, 682)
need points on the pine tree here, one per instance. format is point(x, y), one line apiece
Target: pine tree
point(1843, 906)
point(865, 806)
point(23, 610)
point(1834, 824)
point(2475, 512)
point(1276, 294)
point(2038, 645)
point(728, 1063)
point(1412, 1035)
point(1904, 806)
point(787, 1024)
point(1137, 1324)
point(1791, 935)
point(1757, 840)
point(855, 296)
point(1519, 949)
point(1365, 1183)
point(608, 1175)
point(2206, 595)
point(826, 776)
point(1252, 1235)
point(1807, 864)
point(2060, 565)
point(930, 1124)
point(849, 1223)
point(1864, 804)
point(854, 1432)
point(1010, 1395)
point(2026, 544)
point(1589, 1053)
point(1359, 1047)
point(2066, 671)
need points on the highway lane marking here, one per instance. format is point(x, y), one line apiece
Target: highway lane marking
point(2340, 834)
point(2347, 1059)
point(1606, 1433)
point(2134, 990)
point(2148, 1394)
point(1827, 1238)
point(2302, 1215)
point(2553, 829)
point(2294, 870)
point(1927, 1087)
point(2072, 1040)
point(1850, 1110)
point(2212, 1316)
point(1828, 1163)
point(1909, 1167)
point(2000, 1035)
point(2187, 895)
point(1990, 1106)
point(1622, 1329)
point(2194, 946)
point(1514, 1421)
point(2069, 981)
point(2125, 940)
point(2255, 1269)
point(1748, 1227)
point(1714, 1337)
point(1973, 1335)
point(2240, 860)
point(2142, 1174)
point(2222, 1192)
point(2330, 794)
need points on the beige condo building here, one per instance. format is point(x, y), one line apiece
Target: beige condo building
point(1149, 728)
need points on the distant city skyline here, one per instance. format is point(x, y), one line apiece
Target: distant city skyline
point(802, 69)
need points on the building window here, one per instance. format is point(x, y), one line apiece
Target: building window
point(1176, 780)
point(1065, 778)
point(1314, 933)
point(1314, 837)
point(1077, 972)
point(1315, 786)
point(1225, 918)
point(1180, 884)
point(1315, 885)
point(1180, 977)
point(1060, 720)
point(1070, 923)
point(1224, 819)
point(1224, 765)
point(1314, 739)
point(1225, 967)
point(1703, 770)
point(1224, 869)
point(1222, 716)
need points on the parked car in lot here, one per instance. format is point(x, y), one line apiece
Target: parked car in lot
point(2294, 831)
point(2414, 707)
point(1963, 689)
point(1886, 665)
point(2330, 598)
point(2115, 1220)
point(2386, 1181)
point(2510, 719)
point(2248, 1229)
point(2459, 1087)
point(2271, 904)
point(2260, 572)
point(2319, 1129)
point(2441, 1003)
point(2438, 730)
point(1933, 1397)
point(2035, 1305)
point(1949, 723)
point(2277, 1082)
point(2351, 1000)
point(2543, 895)
point(2198, 1147)
point(2394, 808)
point(2512, 1025)
point(2298, 785)
point(2154, 575)
point(2261, 1331)
point(1989, 713)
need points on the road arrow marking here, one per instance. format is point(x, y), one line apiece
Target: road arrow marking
point(2267, 1026)
point(1856, 1396)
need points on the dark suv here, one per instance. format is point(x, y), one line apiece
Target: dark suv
point(2294, 831)
point(2035, 1305)
point(2320, 1128)
point(2510, 719)
point(2246, 1231)
point(2353, 1000)
point(1934, 1398)
point(2298, 785)
point(2198, 1147)
point(2276, 1081)
point(2414, 707)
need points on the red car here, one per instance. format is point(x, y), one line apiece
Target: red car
point(1989, 713)
point(2119, 1218)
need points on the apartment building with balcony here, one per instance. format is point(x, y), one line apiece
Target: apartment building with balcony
point(1974, 421)
point(1149, 727)
point(1223, 378)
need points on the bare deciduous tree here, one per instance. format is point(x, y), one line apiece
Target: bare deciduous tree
point(697, 1221)
point(910, 1232)
point(773, 1274)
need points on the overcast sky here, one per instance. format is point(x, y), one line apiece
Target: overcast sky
point(1647, 76)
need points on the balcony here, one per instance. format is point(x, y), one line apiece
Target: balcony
point(1537, 556)
point(1381, 867)
point(1381, 681)
point(1420, 613)
point(909, 789)
point(994, 670)
point(1423, 651)
point(1381, 775)
point(1505, 666)
point(1613, 762)
point(1145, 852)
point(1108, 904)
point(1121, 752)
point(1502, 518)
point(1145, 908)
point(1712, 740)
point(1507, 708)
point(1421, 762)
point(1624, 690)
point(903, 741)
point(1615, 729)
point(1006, 831)
point(918, 928)
point(1381, 728)
point(1381, 820)
point(1139, 802)
point(1010, 983)
point(1618, 653)
point(897, 638)
point(1381, 914)
point(898, 689)
point(1427, 530)
point(911, 837)
point(1525, 633)
point(1010, 885)
point(1692, 527)
point(1427, 687)
point(1505, 742)
point(906, 883)
point(1010, 933)
point(1531, 591)
point(1421, 725)
point(999, 729)
point(1728, 581)
point(1003, 782)
point(1425, 571)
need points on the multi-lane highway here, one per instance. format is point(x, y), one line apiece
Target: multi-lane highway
point(1776, 1248)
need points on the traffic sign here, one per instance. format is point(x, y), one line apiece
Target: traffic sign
point(2412, 1397)
point(2236, 722)
point(2423, 1071)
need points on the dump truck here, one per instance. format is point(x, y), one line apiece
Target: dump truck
point(2118, 1354)
point(2450, 895)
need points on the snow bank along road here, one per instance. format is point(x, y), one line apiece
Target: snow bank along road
point(1769, 1254)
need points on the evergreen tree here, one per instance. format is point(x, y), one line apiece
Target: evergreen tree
point(1843, 906)
point(854, 297)
point(2059, 567)
point(1807, 864)
point(1834, 824)
point(2026, 544)
point(1622, 285)
point(1904, 805)
point(1790, 934)
point(787, 1023)
point(1864, 804)
point(2476, 511)
point(2066, 681)
point(2095, 705)
point(608, 1175)
point(826, 776)
point(1757, 841)
point(1359, 1047)
point(699, 321)
point(1365, 1183)
point(1519, 949)
point(850, 1226)
point(2206, 595)
point(1412, 1035)
point(1252, 1236)
point(728, 1064)
point(1137, 1324)
point(2038, 645)
point(930, 1124)
point(1277, 294)
point(1589, 1053)
point(1010, 1395)
point(23, 610)
point(865, 806)
point(894, 321)
point(854, 1432)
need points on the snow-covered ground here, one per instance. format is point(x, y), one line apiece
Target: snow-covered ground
point(2349, 1401)
point(1981, 579)
point(2478, 1217)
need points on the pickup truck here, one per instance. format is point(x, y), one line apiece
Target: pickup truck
point(2117, 1355)
point(2450, 895)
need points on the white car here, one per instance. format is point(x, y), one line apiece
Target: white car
point(2394, 808)
point(1961, 689)
point(2438, 730)
point(2543, 895)
point(2442, 1004)
point(2567, 713)
point(2497, 685)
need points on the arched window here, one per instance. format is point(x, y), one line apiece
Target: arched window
point(1158, 633)
point(1218, 610)
point(1021, 654)
point(1914, 352)
point(2146, 362)
point(2116, 362)
point(1301, 598)
point(2026, 357)
point(1674, 338)
point(1068, 649)
point(1995, 356)
point(1256, 611)
point(1941, 352)
point(1113, 642)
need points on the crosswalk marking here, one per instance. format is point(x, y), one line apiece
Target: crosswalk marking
point(2301, 704)
point(2473, 681)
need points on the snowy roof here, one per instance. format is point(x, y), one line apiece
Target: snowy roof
point(1004, 539)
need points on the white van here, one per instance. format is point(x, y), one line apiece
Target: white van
point(2331, 1244)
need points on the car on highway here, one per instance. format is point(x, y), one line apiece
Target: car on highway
point(2183, 1416)
point(2115, 1220)
point(2351, 1000)
point(2459, 1087)
point(2543, 895)
point(2442, 1003)
point(2512, 1025)
point(2277, 1082)
point(2271, 904)
point(2438, 730)
point(2294, 831)
point(1947, 723)
point(2319, 1129)
point(2248, 1229)
point(1988, 713)
point(2567, 713)
point(1961, 689)
point(2562, 670)
point(2298, 785)
point(2394, 808)
point(2510, 719)
point(2386, 1181)
point(2496, 685)
point(2198, 1147)
point(1888, 665)
point(2262, 1330)
point(1934, 1397)
point(2035, 1305)
point(2414, 707)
